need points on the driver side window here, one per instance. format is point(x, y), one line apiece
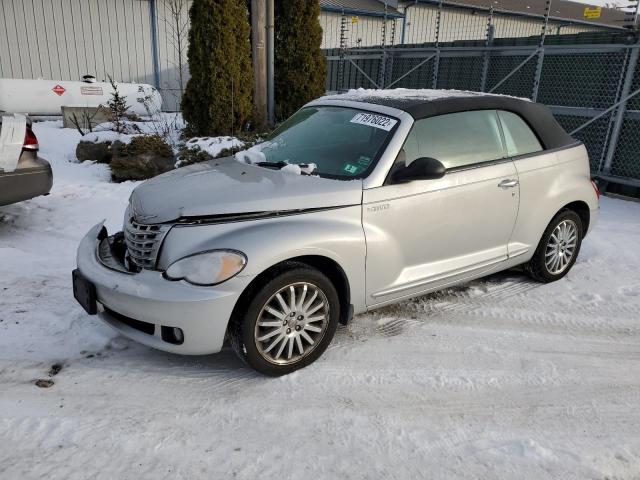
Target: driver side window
point(456, 139)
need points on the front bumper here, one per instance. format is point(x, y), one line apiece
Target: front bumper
point(202, 313)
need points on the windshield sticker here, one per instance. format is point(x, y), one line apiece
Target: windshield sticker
point(376, 121)
point(352, 169)
point(364, 161)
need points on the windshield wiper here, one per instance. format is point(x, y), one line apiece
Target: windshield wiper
point(281, 164)
point(277, 165)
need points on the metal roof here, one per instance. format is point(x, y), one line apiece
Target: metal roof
point(359, 7)
point(560, 10)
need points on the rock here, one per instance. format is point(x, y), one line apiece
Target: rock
point(140, 167)
point(99, 152)
point(44, 383)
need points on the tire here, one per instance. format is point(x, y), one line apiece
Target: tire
point(298, 335)
point(550, 262)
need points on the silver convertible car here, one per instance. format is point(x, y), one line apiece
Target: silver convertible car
point(357, 201)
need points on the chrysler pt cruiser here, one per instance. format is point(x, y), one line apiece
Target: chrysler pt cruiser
point(357, 201)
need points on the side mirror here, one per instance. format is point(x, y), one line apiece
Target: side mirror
point(423, 168)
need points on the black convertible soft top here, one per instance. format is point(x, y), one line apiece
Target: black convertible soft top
point(429, 103)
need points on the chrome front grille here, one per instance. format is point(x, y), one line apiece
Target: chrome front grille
point(143, 242)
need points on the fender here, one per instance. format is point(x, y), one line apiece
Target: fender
point(336, 234)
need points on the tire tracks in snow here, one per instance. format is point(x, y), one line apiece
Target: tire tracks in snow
point(395, 319)
point(496, 299)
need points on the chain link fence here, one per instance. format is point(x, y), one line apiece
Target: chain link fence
point(589, 79)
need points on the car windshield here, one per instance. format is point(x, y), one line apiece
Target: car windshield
point(330, 141)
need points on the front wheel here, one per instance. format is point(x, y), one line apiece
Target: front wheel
point(558, 248)
point(288, 323)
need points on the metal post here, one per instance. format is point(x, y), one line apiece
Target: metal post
point(391, 54)
point(436, 62)
point(619, 115)
point(543, 34)
point(383, 57)
point(343, 51)
point(258, 44)
point(155, 58)
point(487, 55)
point(271, 101)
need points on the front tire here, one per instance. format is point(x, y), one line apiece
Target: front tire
point(288, 323)
point(558, 248)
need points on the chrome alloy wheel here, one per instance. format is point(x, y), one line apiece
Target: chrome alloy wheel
point(292, 323)
point(561, 247)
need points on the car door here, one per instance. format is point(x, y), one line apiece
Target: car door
point(425, 234)
point(539, 181)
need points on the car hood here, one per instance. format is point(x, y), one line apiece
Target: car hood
point(226, 187)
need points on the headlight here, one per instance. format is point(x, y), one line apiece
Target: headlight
point(208, 268)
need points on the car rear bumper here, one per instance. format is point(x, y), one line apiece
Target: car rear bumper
point(25, 183)
point(139, 305)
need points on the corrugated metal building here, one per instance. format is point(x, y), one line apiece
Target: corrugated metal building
point(66, 39)
point(361, 23)
point(144, 40)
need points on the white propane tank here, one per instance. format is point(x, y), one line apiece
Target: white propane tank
point(47, 97)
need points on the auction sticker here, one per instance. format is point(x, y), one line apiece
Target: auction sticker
point(373, 120)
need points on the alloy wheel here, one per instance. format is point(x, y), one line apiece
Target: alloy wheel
point(561, 247)
point(292, 323)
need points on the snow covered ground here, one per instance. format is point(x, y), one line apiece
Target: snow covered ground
point(501, 378)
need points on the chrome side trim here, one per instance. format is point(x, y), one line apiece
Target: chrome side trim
point(247, 216)
point(440, 276)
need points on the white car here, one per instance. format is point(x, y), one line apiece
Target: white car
point(23, 174)
point(355, 202)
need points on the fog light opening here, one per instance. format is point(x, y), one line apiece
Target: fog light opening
point(173, 335)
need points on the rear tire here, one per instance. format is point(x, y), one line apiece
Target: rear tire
point(558, 248)
point(288, 322)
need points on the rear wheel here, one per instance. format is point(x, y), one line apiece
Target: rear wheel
point(288, 323)
point(558, 248)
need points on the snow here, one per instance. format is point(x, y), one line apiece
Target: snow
point(299, 169)
point(292, 168)
point(106, 136)
point(214, 145)
point(167, 125)
point(424, 94)
point(499, 378)
point(252, 154)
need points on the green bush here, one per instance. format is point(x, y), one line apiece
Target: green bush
point(300, 66)
point(218, 96)
point(191, 155)
point(145, 157)
point(146, 144)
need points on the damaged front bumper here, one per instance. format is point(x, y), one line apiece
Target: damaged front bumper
point(173, 316)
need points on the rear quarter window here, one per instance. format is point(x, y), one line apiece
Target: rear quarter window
point(518, 136)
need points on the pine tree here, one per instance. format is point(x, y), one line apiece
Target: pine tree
point(218, 97)
point(300, 66)
point(117, 106)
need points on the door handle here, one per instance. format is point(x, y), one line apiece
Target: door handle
point(508, 183)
